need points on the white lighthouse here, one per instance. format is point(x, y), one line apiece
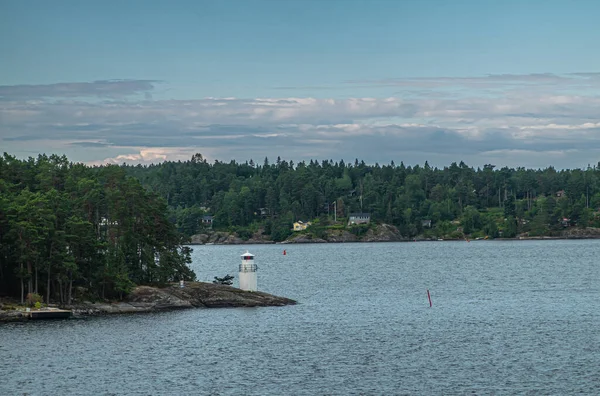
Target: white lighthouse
point(248, 272)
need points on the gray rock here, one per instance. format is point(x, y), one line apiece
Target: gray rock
point(193, 295)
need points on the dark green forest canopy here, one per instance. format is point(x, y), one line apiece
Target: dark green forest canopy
point(103, 229)
point(486, 201)
point(66, 226)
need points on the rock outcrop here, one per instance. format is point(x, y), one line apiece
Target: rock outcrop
point(172, 297)
point(193, 295)
point(226, 238)
point(378, 233)
point(304, 238)
point(338, 236)
point(12, 316)
point(217, 238)
point(581, 233)
point(383, 233)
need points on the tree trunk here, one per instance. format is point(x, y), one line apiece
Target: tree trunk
point(48, 287)
point(29, 280)
point(36, 280)
point(60, 289)
point(22, 285)
point(70, 288)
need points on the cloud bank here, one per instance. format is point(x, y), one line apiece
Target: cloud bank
point(101, 89)
point(533, 120)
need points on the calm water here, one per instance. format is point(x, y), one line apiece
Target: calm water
point(518, 317)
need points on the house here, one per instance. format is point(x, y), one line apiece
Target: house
point(264, 211)
point(207, 221)
point(426, 223)
point(105, 222)
point(299, 225)
point(560, 194)
point(359, 218)
point(565, 222)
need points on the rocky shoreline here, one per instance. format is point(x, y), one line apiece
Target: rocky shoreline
point(380, 233)
point(153, 299)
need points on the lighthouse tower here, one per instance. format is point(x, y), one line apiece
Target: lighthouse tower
point(248, 272)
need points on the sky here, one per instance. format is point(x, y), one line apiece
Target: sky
point(509, 83)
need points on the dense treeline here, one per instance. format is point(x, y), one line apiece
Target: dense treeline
point(458, 199)
point(65, 226)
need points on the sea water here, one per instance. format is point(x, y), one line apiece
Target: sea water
point(507, 317)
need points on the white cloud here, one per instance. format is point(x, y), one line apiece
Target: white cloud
point(146, 155)
point(522, 126)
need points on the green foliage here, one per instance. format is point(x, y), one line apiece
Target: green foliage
point(275, 194)
point(318, 231)
point(244, 233)
point(510, 228)
point(359, 229)
point(226, 280)
point(37, 305)
point(33, 298)
point(65, 226)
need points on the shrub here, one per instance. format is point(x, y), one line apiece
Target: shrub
point(358, 229)
point(38, 305)
point(226, 280)
point(33, 298)
point(244, 233)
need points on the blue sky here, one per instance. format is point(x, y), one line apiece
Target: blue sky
point(513, 82)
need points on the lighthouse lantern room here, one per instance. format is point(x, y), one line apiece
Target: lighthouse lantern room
point(248, 272)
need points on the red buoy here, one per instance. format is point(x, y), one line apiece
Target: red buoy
point(284, 252)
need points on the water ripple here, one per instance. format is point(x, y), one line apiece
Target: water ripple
point(507, 318)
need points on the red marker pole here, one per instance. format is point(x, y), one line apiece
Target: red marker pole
point(429, 297)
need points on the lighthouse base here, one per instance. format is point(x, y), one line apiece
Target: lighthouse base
point(248, 281)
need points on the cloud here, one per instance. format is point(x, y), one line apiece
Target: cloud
point(531, 128)
point(148, 156)
point(100, 89)
point(492, 81)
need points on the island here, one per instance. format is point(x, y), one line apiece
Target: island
point(171, 297)
point(87, 240)
point(72, 233)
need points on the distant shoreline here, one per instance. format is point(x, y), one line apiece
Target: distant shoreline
point(375, 233)
point(534, 238)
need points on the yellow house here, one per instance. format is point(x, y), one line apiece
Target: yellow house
point(299, 226)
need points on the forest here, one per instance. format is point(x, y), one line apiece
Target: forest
point(455, 201)
point(67, 227)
